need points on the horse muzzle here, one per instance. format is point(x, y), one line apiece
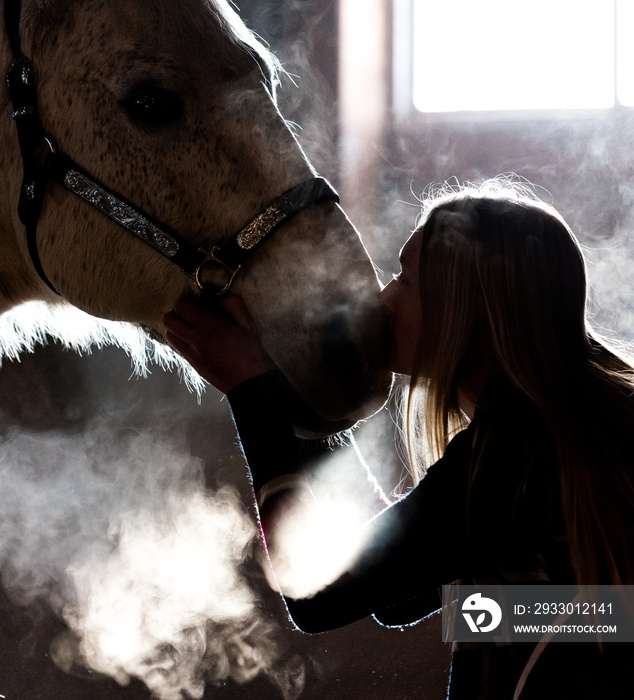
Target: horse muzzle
point(350, 380)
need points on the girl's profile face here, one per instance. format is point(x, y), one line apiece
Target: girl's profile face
point(401, 300)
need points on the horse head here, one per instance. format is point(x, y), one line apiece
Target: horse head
point(172, 105)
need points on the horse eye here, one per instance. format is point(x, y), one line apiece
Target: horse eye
point(153, 106)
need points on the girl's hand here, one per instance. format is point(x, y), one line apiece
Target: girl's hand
point(221, 343)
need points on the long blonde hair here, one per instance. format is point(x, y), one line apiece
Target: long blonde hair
point(503, 282)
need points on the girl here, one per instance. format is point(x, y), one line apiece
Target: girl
point(526, 412)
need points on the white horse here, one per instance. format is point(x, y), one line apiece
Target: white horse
point(172, 106)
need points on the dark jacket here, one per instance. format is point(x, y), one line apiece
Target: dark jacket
point(488, 511)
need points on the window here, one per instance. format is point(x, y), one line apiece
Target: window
point(509, 55)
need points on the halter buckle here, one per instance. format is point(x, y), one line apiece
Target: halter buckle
point(227, 270)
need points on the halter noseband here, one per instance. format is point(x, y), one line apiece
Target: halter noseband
point(41, 163)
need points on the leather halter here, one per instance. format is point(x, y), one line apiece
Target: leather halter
point(42, 162)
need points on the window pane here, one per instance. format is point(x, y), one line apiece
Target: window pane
point(625, 52)
point(513, 55)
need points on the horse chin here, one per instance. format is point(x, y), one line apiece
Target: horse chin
point(307, 423)
point(313, 427)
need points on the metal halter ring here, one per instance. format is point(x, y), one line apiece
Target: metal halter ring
point(232, 254)
point(210, 257)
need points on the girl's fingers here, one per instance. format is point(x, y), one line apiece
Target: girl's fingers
point(176, 325)
point(182, 347)
point(191, 324)
point(236, 308)
point(196, 315)
point(188, 313)
point(220, 342)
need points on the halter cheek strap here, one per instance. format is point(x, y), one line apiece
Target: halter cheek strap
point(31, 137)
point(41, 163)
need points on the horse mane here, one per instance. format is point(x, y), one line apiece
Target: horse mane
point(34, 323)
